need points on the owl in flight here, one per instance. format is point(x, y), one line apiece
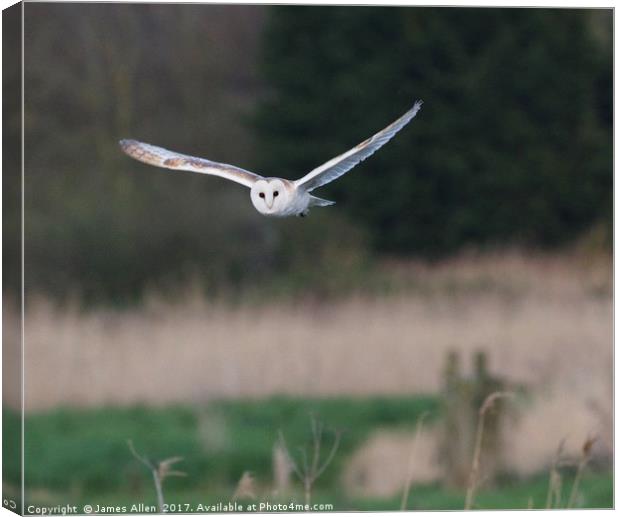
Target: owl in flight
point(275, 197)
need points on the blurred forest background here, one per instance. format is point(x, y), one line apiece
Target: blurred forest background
point(513, 146)
point(162, 307)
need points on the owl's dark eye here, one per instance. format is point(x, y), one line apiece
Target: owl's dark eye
point(262, 194)
point(275, 194)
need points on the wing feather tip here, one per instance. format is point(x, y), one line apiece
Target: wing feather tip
point(126, 143)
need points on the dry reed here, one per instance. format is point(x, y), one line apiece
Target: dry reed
point(554, 491)
point(532, 316)
point(159, 472)
point(487, 405)
point(586, 454)
point(412, 458)
point(311, 466)
point(246, 487)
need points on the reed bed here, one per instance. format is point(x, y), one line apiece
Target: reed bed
point(545, 322)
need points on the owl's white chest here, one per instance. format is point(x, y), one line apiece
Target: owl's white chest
point(296, 204)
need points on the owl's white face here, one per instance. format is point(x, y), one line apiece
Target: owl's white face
point(270, 196)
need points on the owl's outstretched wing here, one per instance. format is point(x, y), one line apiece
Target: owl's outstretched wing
point(342, 164)
point(169, 159)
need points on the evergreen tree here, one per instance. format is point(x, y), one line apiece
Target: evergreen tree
point(513, 144)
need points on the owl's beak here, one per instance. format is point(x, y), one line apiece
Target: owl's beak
point(269, 203)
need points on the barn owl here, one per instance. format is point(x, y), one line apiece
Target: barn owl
point(275, 197)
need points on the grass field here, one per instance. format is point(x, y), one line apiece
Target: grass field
point(81, 456)
point(214, 381)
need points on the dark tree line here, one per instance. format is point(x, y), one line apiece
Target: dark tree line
point(513, 144)
point(98, 224)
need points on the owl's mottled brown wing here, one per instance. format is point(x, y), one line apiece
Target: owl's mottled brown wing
point(161, 157)
point(342, 164)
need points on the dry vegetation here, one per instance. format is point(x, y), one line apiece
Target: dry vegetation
point(545, 321)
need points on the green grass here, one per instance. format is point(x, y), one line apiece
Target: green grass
point(86, 450)
point(596, 491)
point(82, 456)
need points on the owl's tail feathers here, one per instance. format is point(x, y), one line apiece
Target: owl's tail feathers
point(317, 201)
